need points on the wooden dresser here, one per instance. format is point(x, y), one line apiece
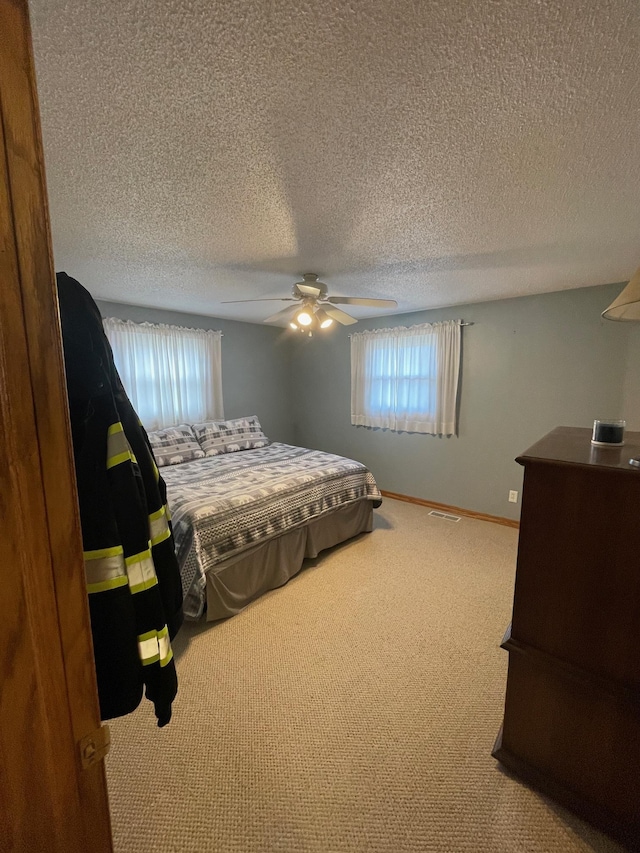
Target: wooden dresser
point(572, 709)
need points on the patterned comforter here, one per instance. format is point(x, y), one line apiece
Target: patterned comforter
point(222, 505)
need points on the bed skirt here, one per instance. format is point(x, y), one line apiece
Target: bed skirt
point(241, 579)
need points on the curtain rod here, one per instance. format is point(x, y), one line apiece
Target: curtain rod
point(459, 322)
point(162, 325)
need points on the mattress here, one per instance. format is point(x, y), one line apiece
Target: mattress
point(225, 505)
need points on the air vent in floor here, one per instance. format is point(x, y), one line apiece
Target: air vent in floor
point(444, 515)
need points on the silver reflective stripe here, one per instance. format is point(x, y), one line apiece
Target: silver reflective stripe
point(148, 648)
point(155, 646)
point(118, 448)
point(141, 571)
point(164, 646)
point(105, 569)
point(158, 527)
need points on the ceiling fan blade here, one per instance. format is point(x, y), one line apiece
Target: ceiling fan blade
point(308, 289)
point(371, 303)
point(280, 315)
point(337, 314)
point(268, 299)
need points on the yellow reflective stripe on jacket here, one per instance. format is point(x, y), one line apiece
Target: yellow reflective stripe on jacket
point(118, 448)
point(158, 527)
point(141, 571)
point(155, 646)
point(105, 569)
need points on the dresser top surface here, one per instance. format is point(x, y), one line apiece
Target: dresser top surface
point(573, 446)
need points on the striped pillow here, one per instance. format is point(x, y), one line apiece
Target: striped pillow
point(218, 437)
point(174, 445)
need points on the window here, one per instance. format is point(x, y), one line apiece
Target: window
point(172, 375)
point(406, 379)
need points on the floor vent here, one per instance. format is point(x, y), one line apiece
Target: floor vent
point(444, 515)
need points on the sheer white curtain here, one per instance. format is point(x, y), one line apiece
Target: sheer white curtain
point(172, 375)
point(406, 379)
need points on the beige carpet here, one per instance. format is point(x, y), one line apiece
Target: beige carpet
point(352, 710)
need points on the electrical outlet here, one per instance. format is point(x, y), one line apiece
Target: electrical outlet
point(513, 496)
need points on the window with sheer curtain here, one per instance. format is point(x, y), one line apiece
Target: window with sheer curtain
point(406, 379)
point(171, 374)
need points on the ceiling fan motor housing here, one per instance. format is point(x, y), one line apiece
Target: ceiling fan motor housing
point(309, 285)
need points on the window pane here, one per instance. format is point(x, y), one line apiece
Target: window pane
point(403, 379)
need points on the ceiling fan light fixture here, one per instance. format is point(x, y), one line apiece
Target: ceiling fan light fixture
point(317, 310)
point(324, 320)
point(304, 317)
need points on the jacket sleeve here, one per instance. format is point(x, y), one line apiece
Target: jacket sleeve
point(111, 606)
point(161, 532)
point(134, 521)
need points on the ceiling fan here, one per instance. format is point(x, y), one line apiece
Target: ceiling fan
point(317, 310)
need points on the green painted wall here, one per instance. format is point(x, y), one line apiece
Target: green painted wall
point(528, 365)
point(632, 380)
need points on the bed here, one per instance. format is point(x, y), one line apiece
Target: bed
point(244, 522)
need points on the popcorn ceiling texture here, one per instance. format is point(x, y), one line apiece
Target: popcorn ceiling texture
point(432, 152)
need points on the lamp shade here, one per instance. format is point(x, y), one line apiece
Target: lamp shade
point(627, 305)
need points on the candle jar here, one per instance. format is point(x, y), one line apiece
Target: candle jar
point(608, 433)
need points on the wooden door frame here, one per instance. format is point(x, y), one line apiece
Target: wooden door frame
point(49, 703)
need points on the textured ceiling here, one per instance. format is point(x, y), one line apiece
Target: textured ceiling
point(430, 151)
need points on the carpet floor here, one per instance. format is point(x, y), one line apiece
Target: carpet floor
point(354, 709)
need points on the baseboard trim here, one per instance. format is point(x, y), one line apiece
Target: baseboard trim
point(456, 510)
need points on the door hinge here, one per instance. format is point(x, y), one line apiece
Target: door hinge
point(94, 747)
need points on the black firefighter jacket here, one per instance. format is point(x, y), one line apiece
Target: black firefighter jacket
point(133, 580)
